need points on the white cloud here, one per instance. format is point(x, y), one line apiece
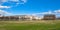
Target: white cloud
point(9, 0)
point(4, 0)
point(49, 12)
point(4, 12)
point(14, 0)
point(1, 1)
point(4, 6)
point(57, 11)
point(17, 2)
point(24, 1)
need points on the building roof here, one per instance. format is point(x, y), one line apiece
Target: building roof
point(49, 15)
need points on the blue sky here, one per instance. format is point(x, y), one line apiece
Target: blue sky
point(34, 6)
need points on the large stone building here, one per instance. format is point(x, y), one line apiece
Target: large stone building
point(49, 17)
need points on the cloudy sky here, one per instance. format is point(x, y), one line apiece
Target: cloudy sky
point(30, 6)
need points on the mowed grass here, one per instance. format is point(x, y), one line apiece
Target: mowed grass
point(30, 25)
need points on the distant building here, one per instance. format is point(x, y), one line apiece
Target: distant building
point(0, 15)
point(24, 17)
point(49, 17)
point(19, 17)
point(58, 18)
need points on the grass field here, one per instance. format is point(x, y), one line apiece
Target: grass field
point(30, 25)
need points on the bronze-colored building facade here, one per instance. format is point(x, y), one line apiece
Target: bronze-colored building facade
point(49, 17)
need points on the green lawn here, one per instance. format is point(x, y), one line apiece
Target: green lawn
point(29, 25)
